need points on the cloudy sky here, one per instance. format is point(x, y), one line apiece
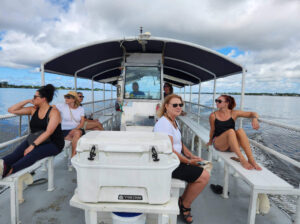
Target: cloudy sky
point(263, 35)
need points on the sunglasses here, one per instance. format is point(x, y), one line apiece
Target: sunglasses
point(81, 96)
point(219, 101)
point(69, 97)
point(36, 96)
point(176, 105)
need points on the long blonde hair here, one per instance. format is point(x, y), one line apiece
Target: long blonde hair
point(162, 110)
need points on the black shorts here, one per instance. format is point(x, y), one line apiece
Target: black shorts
point(187, 173)
point(66, 132)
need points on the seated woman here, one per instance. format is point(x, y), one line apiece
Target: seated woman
point(223, 135)
point(188, 170)
point(168, 89)
point(72, 119)
point(89, 124)
point(46, 120)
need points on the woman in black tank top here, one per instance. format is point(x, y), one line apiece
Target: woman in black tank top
point(223, 135)
point(46, 121)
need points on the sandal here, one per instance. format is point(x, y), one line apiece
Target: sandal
point(185, 213)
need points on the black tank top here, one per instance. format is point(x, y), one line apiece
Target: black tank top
point(37, 124)
point(222, 126)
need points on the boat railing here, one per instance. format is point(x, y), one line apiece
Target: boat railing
point(16, 136)
point(188, 108)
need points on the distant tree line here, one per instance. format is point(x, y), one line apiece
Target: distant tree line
point(7, 85)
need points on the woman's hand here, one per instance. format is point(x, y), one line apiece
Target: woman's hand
point(255, 124)
point(194, 161)
point(28, 150)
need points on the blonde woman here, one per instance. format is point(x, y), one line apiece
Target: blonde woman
point(72, 119)
point(223, 135)
point(189, 169)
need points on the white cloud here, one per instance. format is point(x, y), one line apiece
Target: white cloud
point(267, 31)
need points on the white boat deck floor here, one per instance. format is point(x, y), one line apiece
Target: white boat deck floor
point(42, 207)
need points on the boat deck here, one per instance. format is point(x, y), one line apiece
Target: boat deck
point(42, 207)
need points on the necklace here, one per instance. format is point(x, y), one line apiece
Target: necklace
point(172, 121)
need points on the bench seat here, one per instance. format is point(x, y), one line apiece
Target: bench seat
point(263, 181)
point(12, 182)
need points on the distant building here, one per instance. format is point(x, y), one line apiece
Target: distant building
point(3, 84)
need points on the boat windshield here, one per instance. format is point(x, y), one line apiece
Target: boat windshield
point(142, 83)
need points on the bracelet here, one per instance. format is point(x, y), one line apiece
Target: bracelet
point(189, 162)
point(34, 145)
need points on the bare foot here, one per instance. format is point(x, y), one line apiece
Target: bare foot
point(246, 165)
point(255, 165)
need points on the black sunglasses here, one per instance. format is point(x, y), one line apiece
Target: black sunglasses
point(219, 101)
point(36, 96)
point(69, 96)
point(176, 105)
point(81, 96)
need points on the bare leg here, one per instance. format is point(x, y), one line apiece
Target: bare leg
point(244, 142)
point(194, 189)
point(74, 136)
point(228, 139)
point(94, 125)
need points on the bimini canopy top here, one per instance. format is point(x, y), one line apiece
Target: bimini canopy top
point(183, 63)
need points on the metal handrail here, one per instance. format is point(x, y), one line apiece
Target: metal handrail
point(273, 123)
point(98, 101)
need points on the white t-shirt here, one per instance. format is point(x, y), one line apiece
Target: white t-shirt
point(163, 125)
point(69, 123)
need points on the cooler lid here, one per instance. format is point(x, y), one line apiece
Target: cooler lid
point(124, 141)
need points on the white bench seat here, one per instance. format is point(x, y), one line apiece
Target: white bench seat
point(166, 212)
point(12, 182)
point(263, 181)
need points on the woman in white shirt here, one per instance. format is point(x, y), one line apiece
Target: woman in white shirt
point(188, 170)
point(72, 119)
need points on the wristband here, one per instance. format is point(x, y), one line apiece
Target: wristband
point(189, 162)
point(34, 145)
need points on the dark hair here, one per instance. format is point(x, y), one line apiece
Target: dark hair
point(79, 93)
point(47, 92)
point(170, 86)
point(230, 100)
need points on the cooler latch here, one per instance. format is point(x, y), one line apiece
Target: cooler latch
point(92, 153)
point(154, 154)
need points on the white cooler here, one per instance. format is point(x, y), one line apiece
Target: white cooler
point(118, 166)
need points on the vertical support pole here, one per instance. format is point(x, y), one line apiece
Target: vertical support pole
point(226, 181)
point(28, 124)
point(199, 146)
point(50, 174)
point(90, 216)
point(111, 95)
point(75, 82)
point(214, 96)
point(242, 97)
point(297, 215)
point(190, 98)
point(193, 142)
point(199, 102)
point(42, 75)
point(93, 97)
point(103, 97)
point(184, 94)
point(20, 125)
point(14, 203)
point(163, 219)
point(252, 207)
point(180, 92)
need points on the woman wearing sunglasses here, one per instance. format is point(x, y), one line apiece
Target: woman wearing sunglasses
point(188, 170)
point(72, 119)
point(223, 135)
point(44, 124)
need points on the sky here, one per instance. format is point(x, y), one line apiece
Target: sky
point(263, 36)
